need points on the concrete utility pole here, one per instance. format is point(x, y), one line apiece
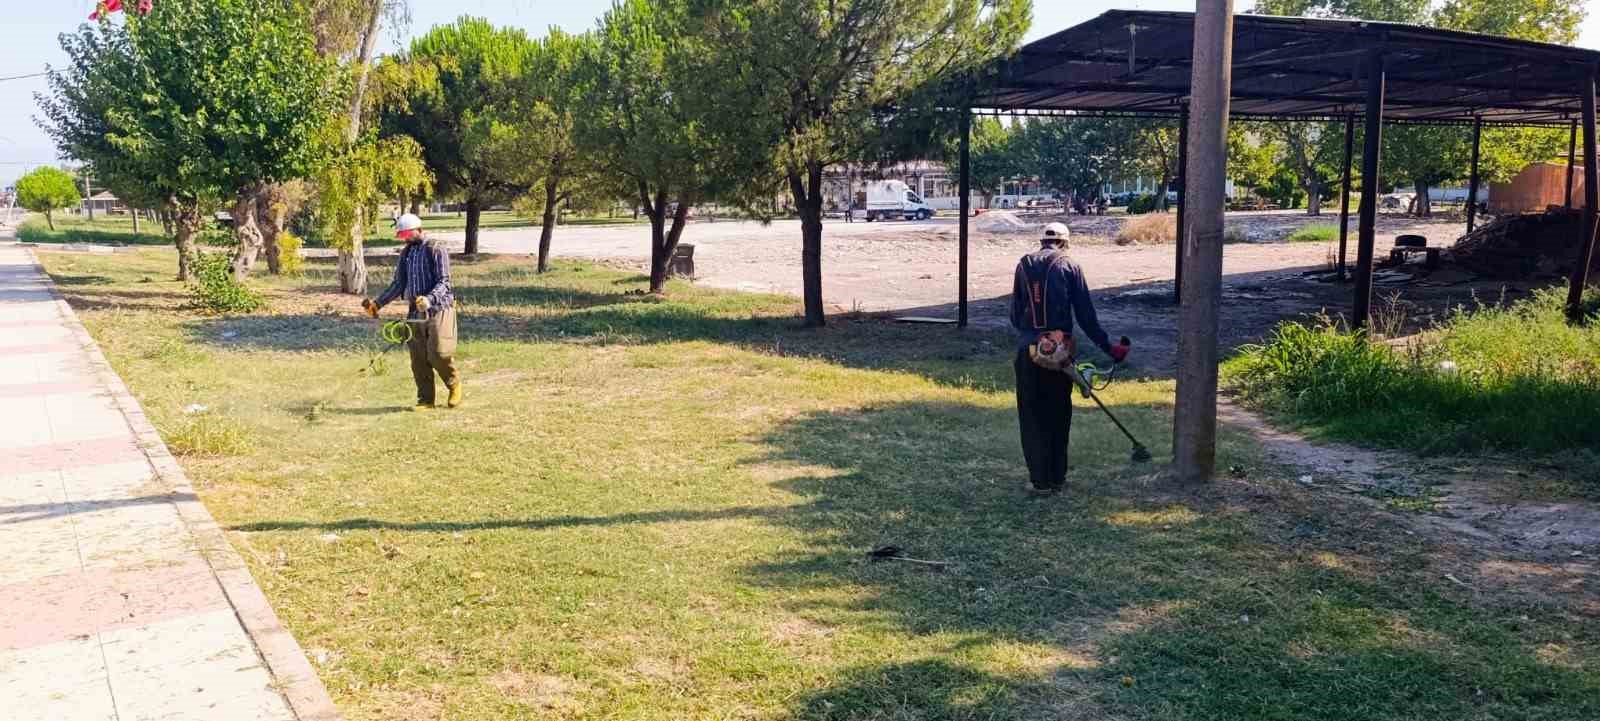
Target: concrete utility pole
point(88, 196)
point(1194, 445)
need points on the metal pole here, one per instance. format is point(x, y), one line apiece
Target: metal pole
point(1371, 147)
point(1472, 184)
point(966, 210)
point(1194, 443)
point(1344, 193)
point(1183, 185)
point(1572, 159)
point(1591, 199)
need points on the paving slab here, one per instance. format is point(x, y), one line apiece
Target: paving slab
point(120, 597)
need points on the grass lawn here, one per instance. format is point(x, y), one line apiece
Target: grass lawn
point(1318, 233)
point(659, 509)
point(117, 229)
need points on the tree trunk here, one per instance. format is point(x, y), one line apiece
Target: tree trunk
point(1314, 197)
point(353, 264)
point(548, 228)
point(88, 198)
point(353, 260)
point(50, 218)
point(1161, 194)
point(270, 216)
point(416, 206)
point(807, 192)
point(658, 241)
point(135, 215)
point(1424, 203)
point(185, 224)
point(247, 231)
point(474, 215)
point(166, 224)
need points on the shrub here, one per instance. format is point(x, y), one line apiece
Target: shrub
point(1320, 233)
point(207, 434)
point(214, 290)
point(1518, 378)
point(289, 261)
point(1142, 204)
point(1158, 228)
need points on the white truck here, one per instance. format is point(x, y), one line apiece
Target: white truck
point(888, 199)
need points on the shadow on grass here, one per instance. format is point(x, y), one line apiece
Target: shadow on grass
point(526, 524)
point(99, 237)
point(1129, 599)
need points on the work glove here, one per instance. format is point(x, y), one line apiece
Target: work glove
point(370, 307)
point(422, 304)
point(1119, 352)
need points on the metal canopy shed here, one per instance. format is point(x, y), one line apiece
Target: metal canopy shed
point(1140, 63)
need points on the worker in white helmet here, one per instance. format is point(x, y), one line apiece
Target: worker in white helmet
point(1049, 293)
point(422, 277)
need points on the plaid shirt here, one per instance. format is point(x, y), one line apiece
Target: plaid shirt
point(423, 271)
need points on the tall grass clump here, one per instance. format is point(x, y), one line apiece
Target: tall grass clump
point(1319, 233)
point(1506, 378)
point(1152, 228)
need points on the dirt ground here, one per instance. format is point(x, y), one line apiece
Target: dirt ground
point(909, 268)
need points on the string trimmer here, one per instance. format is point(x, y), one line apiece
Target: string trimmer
point(1090, 378)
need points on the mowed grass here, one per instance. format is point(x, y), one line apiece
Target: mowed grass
point(660, 509)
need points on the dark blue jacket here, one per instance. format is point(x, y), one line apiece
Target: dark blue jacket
point(1062, 294)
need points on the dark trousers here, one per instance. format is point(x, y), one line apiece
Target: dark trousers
point(1044, 411)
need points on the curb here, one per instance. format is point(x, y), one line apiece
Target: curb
point(293, 675)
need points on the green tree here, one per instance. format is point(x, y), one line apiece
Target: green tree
point(994, 157)
point(1312, 150)
point(562, 174)
point(1075, 155)
point(833, 81)
point(650, 99)
point(1252, 155)
point(1400, 11)
point(457, 92)
point(46, 190)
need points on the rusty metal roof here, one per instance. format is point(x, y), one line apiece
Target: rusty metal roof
point(1139, 62)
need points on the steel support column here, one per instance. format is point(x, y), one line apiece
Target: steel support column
point(1572, 159)
point(1472, 183)
point(966, 211)
point(1591, 198)
point(1371, 148)
point(1344, 193)
point(1183, 188)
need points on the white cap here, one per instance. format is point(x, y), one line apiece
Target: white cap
point(406, 222)
point(1057, 230)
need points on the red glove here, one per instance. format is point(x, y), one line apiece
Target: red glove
point(1119, 352)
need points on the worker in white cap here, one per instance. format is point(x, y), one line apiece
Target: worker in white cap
point(422, 277)
point(1049, 293)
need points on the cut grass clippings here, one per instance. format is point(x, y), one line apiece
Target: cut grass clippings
point(659, 508)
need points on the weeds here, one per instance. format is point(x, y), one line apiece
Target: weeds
point(1152, 228)
point(1516, 378)
point(208, 435)
point(1319, 233)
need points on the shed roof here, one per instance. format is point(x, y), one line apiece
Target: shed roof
point(1128, 61)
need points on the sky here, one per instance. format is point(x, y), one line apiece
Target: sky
point(28, 43)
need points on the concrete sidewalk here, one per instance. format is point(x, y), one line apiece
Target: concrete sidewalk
point(120, 598)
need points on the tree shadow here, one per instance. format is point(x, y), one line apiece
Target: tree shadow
point(1126, 597)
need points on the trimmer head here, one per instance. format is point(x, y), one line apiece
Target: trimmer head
point(1141, 454)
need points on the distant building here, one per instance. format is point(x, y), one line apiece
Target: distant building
point(105, 202)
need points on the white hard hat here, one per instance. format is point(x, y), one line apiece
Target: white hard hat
point(1057, 230)
point(406, 222)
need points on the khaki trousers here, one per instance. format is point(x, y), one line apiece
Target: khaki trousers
point(433, 347)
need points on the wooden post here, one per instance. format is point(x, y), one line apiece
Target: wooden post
point(1371, 147)
point(966, 210)
point(1183, 186)
point(1194, 442)
point(1472, 183)
point(1572, 159)
point(1591, 198)
point(1344, 193)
